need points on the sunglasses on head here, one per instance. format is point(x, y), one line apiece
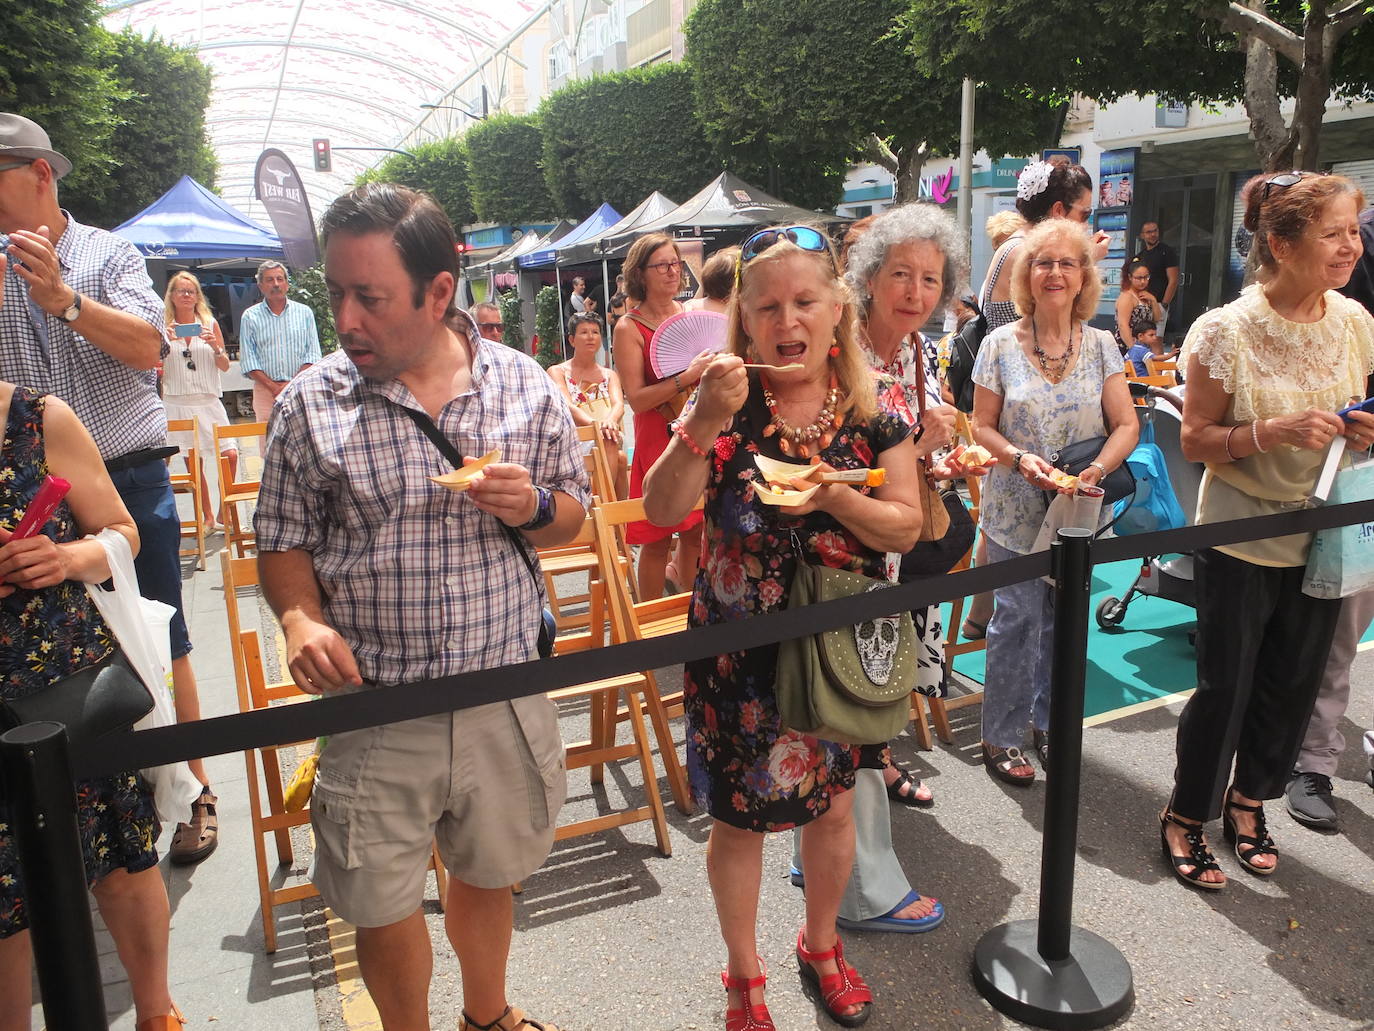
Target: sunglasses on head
point(805, 237)
point(1285, 180)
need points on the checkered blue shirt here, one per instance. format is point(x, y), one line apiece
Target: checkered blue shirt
point(417, 580)
point(117, 404)
point(278, 345)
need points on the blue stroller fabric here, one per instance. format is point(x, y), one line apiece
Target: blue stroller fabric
point(1154, 505)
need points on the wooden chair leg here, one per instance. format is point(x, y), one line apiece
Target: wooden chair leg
point(646, 765)
point(677, 779)
point(269, 926)
point(599, 702)
point(939, 714)
point(271, 771)
point(918, 722)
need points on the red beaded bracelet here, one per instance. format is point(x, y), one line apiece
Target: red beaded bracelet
point(681, 433)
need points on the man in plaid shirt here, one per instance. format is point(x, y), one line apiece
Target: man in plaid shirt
point(382, 577)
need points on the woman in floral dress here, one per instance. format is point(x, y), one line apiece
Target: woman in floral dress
point(49, 629)
point(750, 772)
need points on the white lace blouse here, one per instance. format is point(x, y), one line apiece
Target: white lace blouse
point(1270, 367)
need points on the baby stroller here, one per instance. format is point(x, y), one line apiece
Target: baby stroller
point(1170, 579)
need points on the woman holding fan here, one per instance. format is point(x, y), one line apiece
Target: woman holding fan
point(653, 275)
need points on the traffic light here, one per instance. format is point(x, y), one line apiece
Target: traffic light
point(322, 162)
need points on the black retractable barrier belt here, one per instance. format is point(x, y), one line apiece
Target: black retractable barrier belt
point(336, 714)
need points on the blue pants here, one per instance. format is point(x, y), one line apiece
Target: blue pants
point(146, 490)
point(1020, 648)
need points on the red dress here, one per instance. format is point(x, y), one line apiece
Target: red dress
point(651, 438)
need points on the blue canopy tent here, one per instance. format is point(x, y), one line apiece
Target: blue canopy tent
point(598, 221)
point(189, 223)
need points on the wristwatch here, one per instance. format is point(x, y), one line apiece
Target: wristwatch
point(70, 313)
point(543, 510)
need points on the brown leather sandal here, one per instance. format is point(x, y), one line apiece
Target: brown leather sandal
point(511, 1020)
point(193, 841)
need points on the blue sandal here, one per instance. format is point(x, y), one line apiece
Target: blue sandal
point(899, 925)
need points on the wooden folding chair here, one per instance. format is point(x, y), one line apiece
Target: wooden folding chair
point(188, 482)
point(239, 486)
point(266, 805)
point(636, 621)
point(1160, 367)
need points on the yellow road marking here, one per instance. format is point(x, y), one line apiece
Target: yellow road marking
point(359, 1012)
point(1131, 710)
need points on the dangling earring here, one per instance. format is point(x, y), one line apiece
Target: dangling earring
point(835, 348)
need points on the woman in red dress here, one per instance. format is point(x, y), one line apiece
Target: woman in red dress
point(653, 275)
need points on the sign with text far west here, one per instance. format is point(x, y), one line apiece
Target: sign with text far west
point(279, 188)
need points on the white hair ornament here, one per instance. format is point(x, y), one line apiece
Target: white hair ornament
point(1034, 179)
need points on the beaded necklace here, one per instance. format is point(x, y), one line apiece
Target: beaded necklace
point(1061, 362)
point(812, 438)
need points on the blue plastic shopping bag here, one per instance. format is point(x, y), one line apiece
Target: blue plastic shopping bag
point(1154, 506)
point(1341, 561)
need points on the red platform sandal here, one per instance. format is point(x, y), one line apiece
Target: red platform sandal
point(839, 990)
point(748, 1017)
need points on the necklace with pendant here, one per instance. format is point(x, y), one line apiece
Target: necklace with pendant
point(810, 439)
point(1053, 368)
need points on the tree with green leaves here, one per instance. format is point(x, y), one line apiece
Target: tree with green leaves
point(617, 138)
point(1200, 51)
point(308, 287)
point(505, 173)
point(54, 69)
point(440, 168)
point(161, 132)
point(546, 326)
point(513, 318)
point(804, 89)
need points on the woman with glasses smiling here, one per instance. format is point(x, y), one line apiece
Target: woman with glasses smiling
point(191, 376)
point(653, 275)
point(1266, 375)
point(792, 312)
point(1042, 382)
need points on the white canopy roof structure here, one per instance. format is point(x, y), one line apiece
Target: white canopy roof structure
point(352, 71)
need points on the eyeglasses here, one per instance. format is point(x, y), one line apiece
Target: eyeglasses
point(186, 353)
point(500, 327)
point(805, 237)
point(1050, 264)
point(1284, 181)
point(666, 267)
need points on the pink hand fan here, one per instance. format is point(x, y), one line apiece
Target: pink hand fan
point(682, 337)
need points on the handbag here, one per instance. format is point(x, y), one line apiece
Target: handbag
point(850, 685)
point(446, 448)
point(1074, 458)
point(92, 702)
point(936, 558)
point(964, 344)
point(1341, 560)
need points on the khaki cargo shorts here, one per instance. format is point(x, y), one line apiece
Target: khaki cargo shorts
point(485, 783)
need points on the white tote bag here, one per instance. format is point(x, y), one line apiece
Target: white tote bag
point(141, 626)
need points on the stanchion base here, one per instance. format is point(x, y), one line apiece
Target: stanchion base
point(1090, 989)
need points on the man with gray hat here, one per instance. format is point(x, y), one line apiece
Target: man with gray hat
point(79, 319)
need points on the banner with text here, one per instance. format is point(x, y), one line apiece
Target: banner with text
point(280, 190)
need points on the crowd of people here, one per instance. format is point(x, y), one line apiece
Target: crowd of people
point(825, 358)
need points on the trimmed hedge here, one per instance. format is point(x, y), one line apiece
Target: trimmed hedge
point(440, 168)
point(506, 178)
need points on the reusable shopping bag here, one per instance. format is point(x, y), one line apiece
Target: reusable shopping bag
point(1155, 505)
point(1341, 561)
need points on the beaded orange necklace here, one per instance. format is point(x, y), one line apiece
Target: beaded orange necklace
point(812, 438)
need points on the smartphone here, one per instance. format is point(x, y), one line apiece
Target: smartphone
point(1367, 405)
point(188, 329)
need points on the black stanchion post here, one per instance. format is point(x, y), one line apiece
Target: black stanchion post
point(42, 807)
point(1048, 972)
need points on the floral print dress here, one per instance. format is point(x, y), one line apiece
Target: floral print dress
point(744, 768)
point(45, 635)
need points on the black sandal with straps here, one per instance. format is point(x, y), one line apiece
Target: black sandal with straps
point(1263, 845)
point(1199, 856)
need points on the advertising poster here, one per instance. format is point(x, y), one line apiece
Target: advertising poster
point(1115, 224)
point(1116, 182)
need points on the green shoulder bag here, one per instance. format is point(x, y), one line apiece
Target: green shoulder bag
point(850, 685)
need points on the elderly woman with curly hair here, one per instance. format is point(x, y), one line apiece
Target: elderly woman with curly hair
point(1042, 382)
point(753, 775)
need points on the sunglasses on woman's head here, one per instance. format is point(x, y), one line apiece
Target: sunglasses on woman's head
point(1282, 182)
point(805, 237)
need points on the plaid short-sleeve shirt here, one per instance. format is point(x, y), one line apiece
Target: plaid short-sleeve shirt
point(418, 581)
point(118, 405)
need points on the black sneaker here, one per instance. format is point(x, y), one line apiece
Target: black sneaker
point(1309, 801)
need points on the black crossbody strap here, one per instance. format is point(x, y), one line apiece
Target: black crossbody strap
point(450, 452)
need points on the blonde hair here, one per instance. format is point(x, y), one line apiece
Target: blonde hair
point(1051, 231)
point(203, 314)
point(858, 401)
point(1003, 225)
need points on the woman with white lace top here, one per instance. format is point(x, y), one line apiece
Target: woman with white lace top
point(1266, 374)
point(191, 378)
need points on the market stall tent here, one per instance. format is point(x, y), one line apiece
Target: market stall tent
point(189, 223)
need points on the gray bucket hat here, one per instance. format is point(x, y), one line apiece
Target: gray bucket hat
point(25, 139)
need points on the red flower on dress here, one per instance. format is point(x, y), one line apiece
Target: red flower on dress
point(832, 548)
point(789, 761)
point(770, 594)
